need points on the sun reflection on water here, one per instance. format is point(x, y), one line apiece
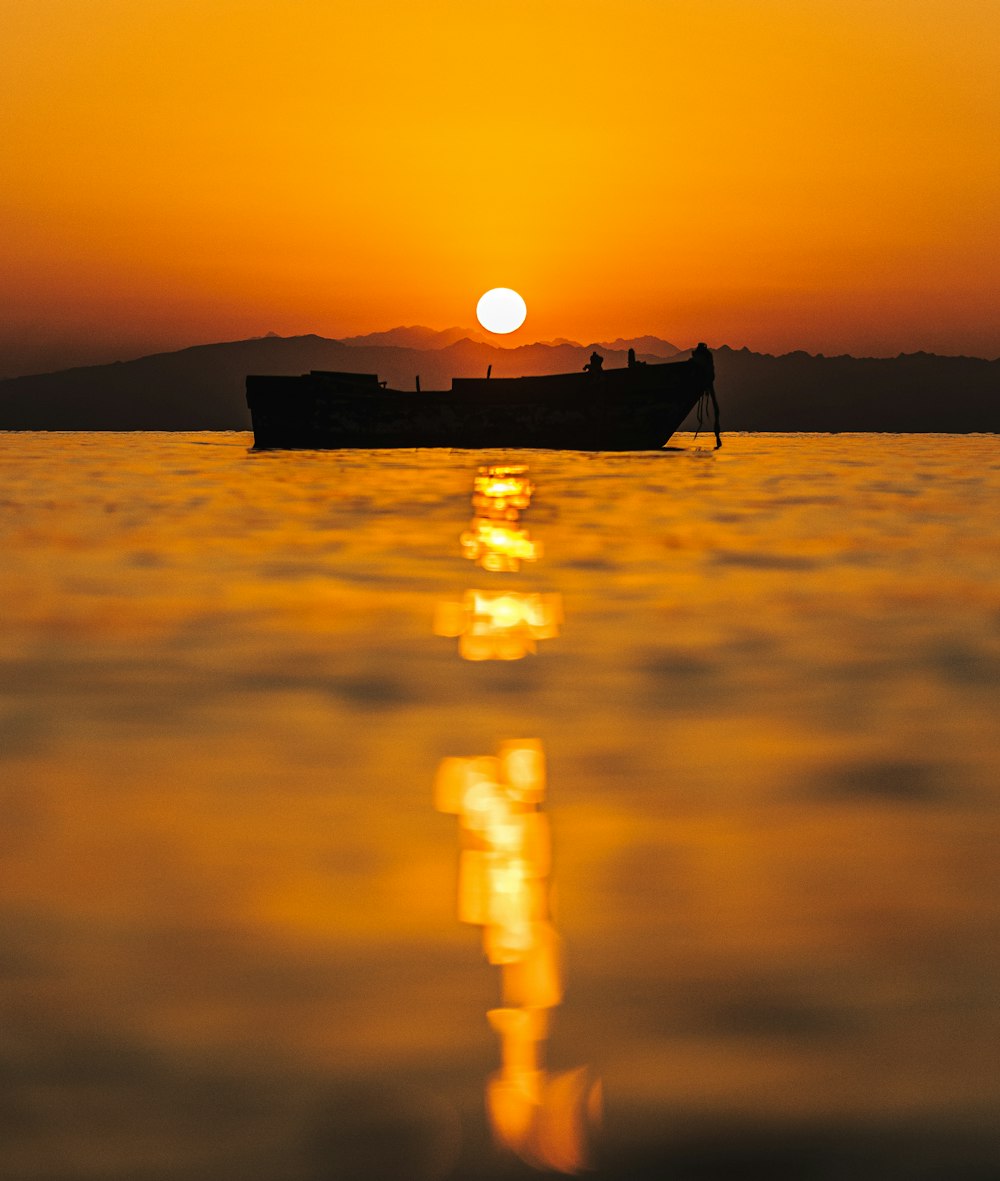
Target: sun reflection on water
point(504, 887)
point(497, 547)
point(499, 625)
point(500, 490)
point(505, 854)
point(493, 539)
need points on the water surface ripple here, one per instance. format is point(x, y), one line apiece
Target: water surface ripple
point(228, 945)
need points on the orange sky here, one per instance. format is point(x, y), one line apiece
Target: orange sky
point(821, 174)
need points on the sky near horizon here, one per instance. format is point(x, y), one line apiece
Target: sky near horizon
point(781, 174)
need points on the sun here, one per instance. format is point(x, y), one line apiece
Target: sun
point(501, 310)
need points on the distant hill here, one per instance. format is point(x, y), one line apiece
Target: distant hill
point(648, 345)
point(202, 388)
point(642, 344)
point(415, 337)
point(911, 392)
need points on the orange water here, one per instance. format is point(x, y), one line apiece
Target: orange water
point(229, 945)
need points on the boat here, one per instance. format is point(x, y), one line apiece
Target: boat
point(633, 408)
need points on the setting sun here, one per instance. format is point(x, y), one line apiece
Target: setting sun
point(501, 310)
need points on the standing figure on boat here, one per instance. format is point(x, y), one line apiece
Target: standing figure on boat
point(596, 363)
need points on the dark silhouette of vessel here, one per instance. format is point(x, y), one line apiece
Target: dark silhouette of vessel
point(633, 409)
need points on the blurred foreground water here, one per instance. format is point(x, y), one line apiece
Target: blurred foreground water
point(764, 681)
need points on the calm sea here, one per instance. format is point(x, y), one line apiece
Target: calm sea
point(749, 697)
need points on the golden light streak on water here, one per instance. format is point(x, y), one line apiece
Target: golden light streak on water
point(502, 492)
point(506, 860)
point(499, 625)
point(503, 887)
point(493, 540)
point(498, 548)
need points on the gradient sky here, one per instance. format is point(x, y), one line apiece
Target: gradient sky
point(818, 174)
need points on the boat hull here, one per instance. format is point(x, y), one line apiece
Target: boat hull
point(633, 409)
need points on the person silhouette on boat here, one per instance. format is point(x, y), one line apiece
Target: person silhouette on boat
point(596, 363)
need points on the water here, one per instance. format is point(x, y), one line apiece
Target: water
point(229, 944)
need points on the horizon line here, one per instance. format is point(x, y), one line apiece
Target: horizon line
point(477, 338)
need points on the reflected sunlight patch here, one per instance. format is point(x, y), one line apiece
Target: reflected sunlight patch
point(504, 883)
point(499, 625)
point(494, 540)
point(500, 548)
point(502, 492)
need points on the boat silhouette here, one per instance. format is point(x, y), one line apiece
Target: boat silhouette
point(636, 408)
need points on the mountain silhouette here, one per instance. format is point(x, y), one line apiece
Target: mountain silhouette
point(202, 388)
point(414, 337)
point(911, 392)
point(641, 344)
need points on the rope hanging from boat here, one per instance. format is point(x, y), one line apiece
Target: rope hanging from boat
point(701, 356)
point(715, 407)
point(702, 410)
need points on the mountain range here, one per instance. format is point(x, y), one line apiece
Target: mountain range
point(202, 388)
